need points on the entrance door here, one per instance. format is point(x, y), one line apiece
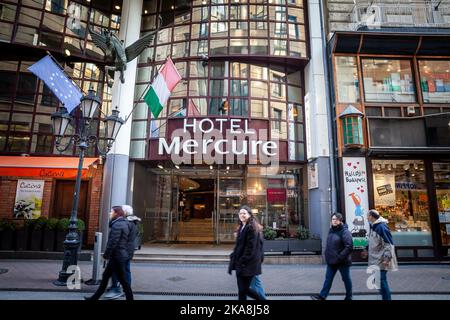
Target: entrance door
point(196, 208)
point(62, 206)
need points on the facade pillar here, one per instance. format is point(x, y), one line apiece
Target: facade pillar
point(321, 198)
point(115, 177)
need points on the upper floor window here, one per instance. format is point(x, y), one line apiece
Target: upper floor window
point(347, 79)
point(435, 81)
point(387, 80)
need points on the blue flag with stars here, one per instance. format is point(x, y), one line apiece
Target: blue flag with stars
point(57, 81)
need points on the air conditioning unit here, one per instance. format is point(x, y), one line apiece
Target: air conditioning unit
point(411, 111)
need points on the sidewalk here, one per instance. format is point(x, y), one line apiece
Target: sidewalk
point(172, 280)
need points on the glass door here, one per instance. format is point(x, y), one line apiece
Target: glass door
point(442, 180)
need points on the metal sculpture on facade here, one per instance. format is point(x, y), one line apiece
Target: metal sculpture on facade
point(116, 54)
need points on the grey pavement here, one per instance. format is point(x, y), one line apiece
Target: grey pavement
point(32, 279)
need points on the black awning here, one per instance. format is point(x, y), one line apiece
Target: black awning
point(391, 43)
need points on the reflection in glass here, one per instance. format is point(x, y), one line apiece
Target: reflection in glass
point(435, 80)
point(347, 79)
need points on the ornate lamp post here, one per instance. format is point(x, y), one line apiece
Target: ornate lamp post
point(60, 120)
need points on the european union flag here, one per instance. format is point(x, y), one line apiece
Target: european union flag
point(57, 81)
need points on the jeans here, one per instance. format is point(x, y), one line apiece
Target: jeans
point(384, 286)
point(345, 274)
point(118, 267)
point(115, 280)
point(257, 286)
point(244, 289)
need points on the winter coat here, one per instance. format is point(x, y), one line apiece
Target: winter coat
point(117, 246)
point(133, 236)
point(339, 246)
point(248, 253)
point(381, 246)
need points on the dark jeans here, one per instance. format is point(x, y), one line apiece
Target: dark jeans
point(331, 272)
point(244, 289)
point(117, 267)
point(115, 280)
point(384, 286)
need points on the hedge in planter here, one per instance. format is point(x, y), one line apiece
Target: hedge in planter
point(36, 233)
point(7, 228)
point(272, 243)
point(48, 241)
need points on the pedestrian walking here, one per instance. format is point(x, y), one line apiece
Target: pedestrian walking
point(256, 283)
point(246, 256)
point(381, 250)
point(116, 253)
point(115, 291)
point(338, 257)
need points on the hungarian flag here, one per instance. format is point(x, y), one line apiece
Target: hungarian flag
point(159, 92)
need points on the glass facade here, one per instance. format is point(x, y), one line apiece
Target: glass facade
point(435, 80)
point(25, 102)
point(198, 38)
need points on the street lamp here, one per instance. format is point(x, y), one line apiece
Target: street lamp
point(82, 139)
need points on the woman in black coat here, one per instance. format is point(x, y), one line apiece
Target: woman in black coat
point(247, 254)
point(338, 257)
point(116, 253)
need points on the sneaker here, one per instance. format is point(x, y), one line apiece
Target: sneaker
point(113, 294)
point(317, 297)
point(348, 298)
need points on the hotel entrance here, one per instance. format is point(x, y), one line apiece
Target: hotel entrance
point(200, 204)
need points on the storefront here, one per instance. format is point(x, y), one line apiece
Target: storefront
point(200, 203)
point(42, 187)
point(391, 95)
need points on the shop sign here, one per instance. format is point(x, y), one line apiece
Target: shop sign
point(28, 201)
point(384, 189)
point(355, 192)
point(213, 140)
point(276, 195)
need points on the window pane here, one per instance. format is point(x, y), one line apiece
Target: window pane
point(258, 29)
point(42, 144)
point(6, 31)
point(297, 49)
point(219, 47)
point(239, 88)
point(278, 110)
point(278, 47)
point(30, 17)
point(239, 107)
point(279, 130)
point(260, 109)
point(295, 112)
point(238, 46)
point(258, 72)
point(388, 80)
point(347, 79)
point(199, 47)
point(198, 69)
point(435, 81)
point(198, 87)
point(296, 131)
point(239, 70)
point(238, 29)
point(219, 69)
point(137, 149)
point(278, 91)
point(139, 129)
point(259, 46)
point(400, 194)
point(259, 89)
point(198, 105)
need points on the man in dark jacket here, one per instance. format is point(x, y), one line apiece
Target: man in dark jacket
point(116, 253)
point(337, 256)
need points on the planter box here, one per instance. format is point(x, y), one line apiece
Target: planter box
point(6, 240)
point(308, 245)
point(276, 246)
point(21, 240)
point(48, 240)
point(36, 240)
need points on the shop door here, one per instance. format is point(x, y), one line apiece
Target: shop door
point(62, 206)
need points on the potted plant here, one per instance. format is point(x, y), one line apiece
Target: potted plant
point(304, 242)
point(272, 243)
point(62, 228)
point(48, 241)
point(6, 234)
point(37, 230)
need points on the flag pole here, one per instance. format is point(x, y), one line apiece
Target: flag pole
point(179, 109)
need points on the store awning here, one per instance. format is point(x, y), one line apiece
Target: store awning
point(43, 167)
point(394, 43)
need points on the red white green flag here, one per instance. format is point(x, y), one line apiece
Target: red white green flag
point(159, 92)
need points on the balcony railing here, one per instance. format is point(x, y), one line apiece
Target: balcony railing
point(403, 14)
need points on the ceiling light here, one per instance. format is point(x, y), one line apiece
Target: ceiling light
point(160, 166)
point(177, 166)
point(145, 11)
point(211, 167)
point(228, 168)
point(117, 7)
point(67, 52)
point(204, 2)
point(172, 7)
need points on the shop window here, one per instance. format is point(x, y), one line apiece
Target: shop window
point(435, 81)
point(352, 127)
point(347, 79)
point(388, 80)
point(400, 195)
point(441, 173)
